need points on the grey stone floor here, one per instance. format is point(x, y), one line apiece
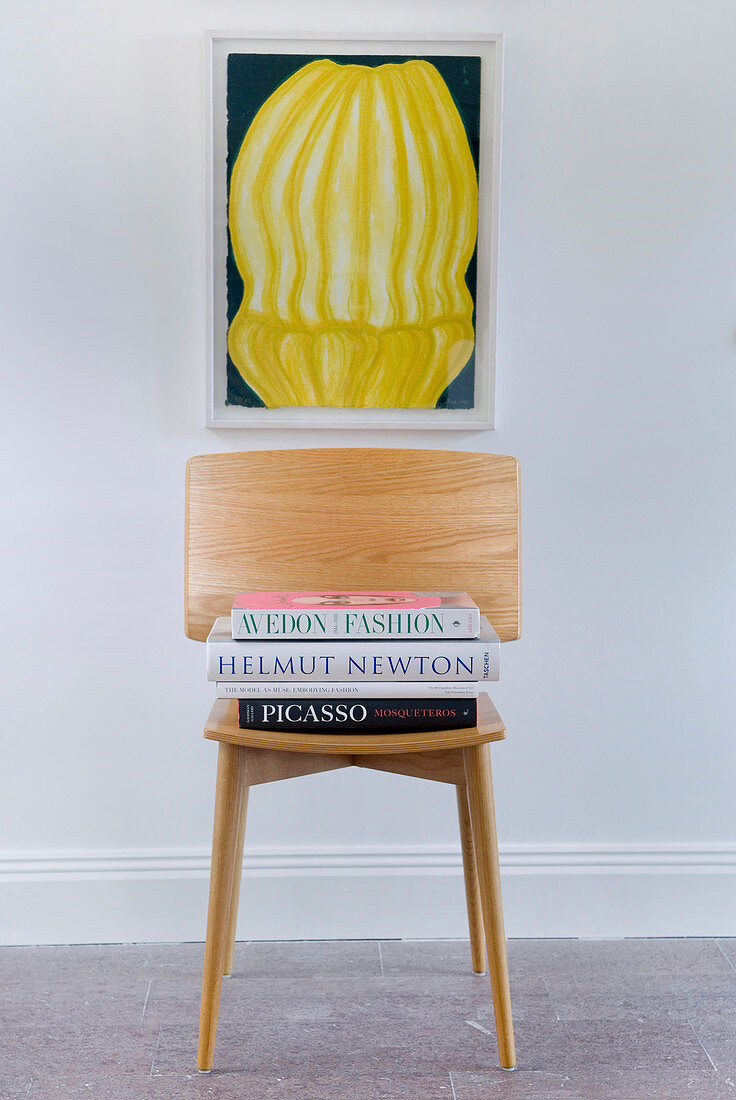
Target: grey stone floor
point(594, 1020)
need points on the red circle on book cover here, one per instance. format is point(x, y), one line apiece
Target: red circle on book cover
point(331, 597)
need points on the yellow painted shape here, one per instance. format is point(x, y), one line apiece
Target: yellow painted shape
point(353, 216)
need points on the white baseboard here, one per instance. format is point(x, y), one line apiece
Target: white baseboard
point(588, 890)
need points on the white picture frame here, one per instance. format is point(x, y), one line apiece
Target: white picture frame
point(478, 395)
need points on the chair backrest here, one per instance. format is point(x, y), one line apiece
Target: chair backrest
point(352, 517)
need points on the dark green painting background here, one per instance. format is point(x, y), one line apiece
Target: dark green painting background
point(251, 79)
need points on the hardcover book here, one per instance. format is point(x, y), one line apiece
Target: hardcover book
point(441, 659)
point(355, 715)
point(342, 689)
point(341, 614)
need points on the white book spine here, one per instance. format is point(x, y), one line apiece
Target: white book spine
point(351, 625)
point(367, 689)
point(465, 660)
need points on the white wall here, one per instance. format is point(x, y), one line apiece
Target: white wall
point(615, 391)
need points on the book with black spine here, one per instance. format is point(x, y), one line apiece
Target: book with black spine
point(356, 715)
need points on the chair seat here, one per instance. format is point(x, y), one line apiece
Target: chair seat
point(222, 725)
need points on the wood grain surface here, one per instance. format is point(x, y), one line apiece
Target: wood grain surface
point(228, 802)
point(472, 884)
point(440, 765)
point(479, 783)
point(352, 518)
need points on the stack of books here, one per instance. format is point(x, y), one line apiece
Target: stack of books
point(353, 662)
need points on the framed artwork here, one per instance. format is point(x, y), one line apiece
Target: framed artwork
point(353, 191)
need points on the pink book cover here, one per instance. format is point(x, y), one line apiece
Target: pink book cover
point(344, 613)
point(337, 598)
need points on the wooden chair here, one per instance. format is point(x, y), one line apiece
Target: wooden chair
point(354, 518)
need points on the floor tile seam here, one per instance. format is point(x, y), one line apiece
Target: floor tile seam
point(702, 1046)
point(90, 985)
point(250, 1075)
point(729, 961)
point(145, 1002)
point(155, 1052)
point(131, 1028)
point(307, 979)
point(288, 979)
point(551, 999)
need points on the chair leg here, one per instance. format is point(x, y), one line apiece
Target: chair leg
point(483, 818)
point(235, 896)
point(228, 797)
point(472, 889)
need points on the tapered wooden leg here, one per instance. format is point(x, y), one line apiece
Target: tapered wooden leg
point(237, 879)
point(472, 889)
point(483, 818)
point(228, 797)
